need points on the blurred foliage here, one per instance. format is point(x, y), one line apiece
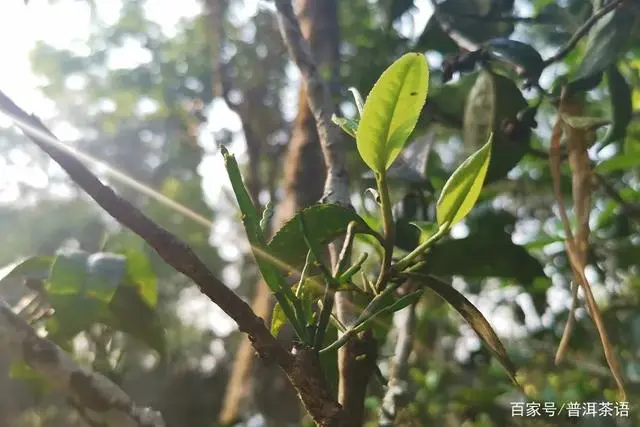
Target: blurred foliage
point(148, 118)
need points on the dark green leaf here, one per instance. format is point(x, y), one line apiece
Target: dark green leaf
point(73, 313)
point(449, 100)
point(621, 105)
point(399, 8)
point(473, 317)
point(128, 312)
point(493, 102)
point(325, 222)
point(522, 55)
point(484, 256)
point(435, 38)
point(608, 38)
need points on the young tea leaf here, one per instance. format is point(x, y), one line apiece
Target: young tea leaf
point(473, 317)
point(358, 99)
point(324, 222)
point(278, 320)
point(391, 111)
point(349, 126)
point(462, 190)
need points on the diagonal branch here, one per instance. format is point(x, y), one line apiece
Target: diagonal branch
point(102, 401)
point(302, 369)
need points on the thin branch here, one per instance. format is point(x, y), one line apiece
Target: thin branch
point(337, 184)
point(303, 369)
point(582, 31)
point(102, 401)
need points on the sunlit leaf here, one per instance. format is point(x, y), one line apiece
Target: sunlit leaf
point(278, 320)
point(391, 111)
point(463, 188)
point(140, 273)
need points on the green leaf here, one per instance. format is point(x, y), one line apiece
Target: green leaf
point(348, 125)
point(405, 301)
point(358, 99)
point(73, 313)
point(251, 223)
point(140, 273)
point(619, 162)
point(473, 317)
point(94, 275)
point(435, 38)
point(449, 100)
point(130, 313)
point(391, 111)
point(585, 123)
point(522, 55)
point(68, 273)
point(462, 190)
point(36, 266)
point(608, 39)
point(484, 256)
point(472, 28)
point(494, 101)
point(621, 105)
point(105, 271)
point(278, 320)
point(324, 223)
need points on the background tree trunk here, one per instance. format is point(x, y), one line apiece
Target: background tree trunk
point(304, 174)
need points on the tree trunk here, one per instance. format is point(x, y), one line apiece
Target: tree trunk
point(304, 174)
